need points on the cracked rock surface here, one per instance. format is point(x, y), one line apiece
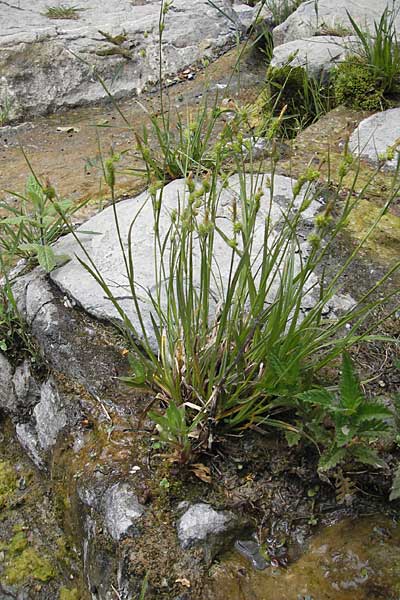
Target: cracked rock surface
point(47, 64)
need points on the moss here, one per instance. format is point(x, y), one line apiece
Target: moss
point(8, 485)
point(66, 594)
point(356, 86)
point(23, 562)
point(384, 243)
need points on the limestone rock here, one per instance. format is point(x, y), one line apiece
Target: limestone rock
point(376, 135)
point(306, 21)
point(122, 510)
point(318, 55)
point(48, 64)
point(39, 434)
point(69, 340)
point(202, 525)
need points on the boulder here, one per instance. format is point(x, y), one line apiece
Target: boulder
point(377, 138)
point(313, 18)
point(47, 64)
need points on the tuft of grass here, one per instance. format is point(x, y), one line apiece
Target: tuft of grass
point(62, 11)
point(380, 50)
point(233, 354)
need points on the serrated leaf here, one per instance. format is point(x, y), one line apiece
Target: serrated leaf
point(367, 456)
point(331, 458)
point(395, 491)
point(372, 410)
point(350, 391)
point(292, 438)
point(319, 396)
point(46, 258)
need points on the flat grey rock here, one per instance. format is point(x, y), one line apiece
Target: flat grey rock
point(375, 135)
point(318, 55)
point(306, 21)
point(48, 64)
point(122, 510)
point(102, 246)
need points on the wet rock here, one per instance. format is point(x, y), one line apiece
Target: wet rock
point(318, 55)
point(47, 64)
point(122, 510)
point(377, 138)
point(306, 21)
point(203, 525)
point(7, 394)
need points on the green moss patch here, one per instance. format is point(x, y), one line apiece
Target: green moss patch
point(66, 594)
point(8, 485)
point(23, 562)
point(356, 86)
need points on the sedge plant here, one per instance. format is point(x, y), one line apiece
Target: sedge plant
point(232, 352)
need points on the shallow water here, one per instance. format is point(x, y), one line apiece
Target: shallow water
point(352, 560)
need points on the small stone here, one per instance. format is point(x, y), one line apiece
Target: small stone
point(122, 510)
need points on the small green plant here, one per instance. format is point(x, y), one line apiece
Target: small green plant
point(62, 11)
point(34, 224)
point(240, 364)
point(356, 420)
point(174, 430)
point(368, 77)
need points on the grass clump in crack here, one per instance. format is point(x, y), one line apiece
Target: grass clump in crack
point(234, 353)
point(299, 97)
point(62, 11)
